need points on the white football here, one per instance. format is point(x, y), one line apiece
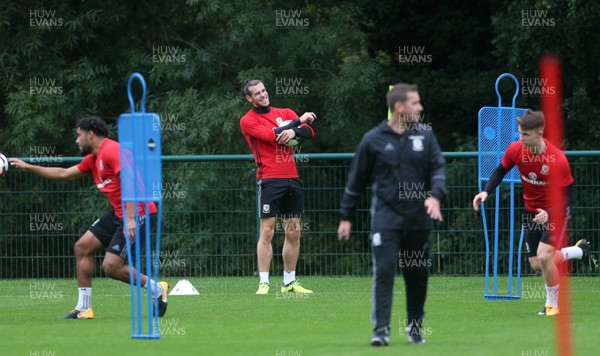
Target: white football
point(293, 142)
point(3, 164)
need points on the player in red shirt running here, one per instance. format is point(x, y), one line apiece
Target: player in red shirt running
point(102, 161)
point(535, 157)
point(279, 187)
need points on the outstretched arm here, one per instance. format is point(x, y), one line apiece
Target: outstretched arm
point(57, 173)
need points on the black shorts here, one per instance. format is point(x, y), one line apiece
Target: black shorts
point(280, 197)
point(108, 229)
point(534, 232)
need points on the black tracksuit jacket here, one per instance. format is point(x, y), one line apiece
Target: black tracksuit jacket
point(403, 171)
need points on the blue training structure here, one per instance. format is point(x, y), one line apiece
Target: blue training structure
point(497, 130)
point(141, 182)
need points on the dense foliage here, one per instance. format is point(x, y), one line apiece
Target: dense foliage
point(59, 61)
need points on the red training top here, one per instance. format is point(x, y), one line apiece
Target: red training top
point(534, 171)
point(273, 160)
point(105, 168)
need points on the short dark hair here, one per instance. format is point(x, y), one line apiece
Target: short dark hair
point(94, 124)
point(398, 93)
point(531, 120)
point(250, 83)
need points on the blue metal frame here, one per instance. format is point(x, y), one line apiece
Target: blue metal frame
point(511, 181)
point(134, 138)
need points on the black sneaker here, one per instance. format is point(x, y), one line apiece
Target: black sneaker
point(413, 332)
point(71, 315)
point(381, 336)
point(543, 311)
point(588, 259)
point(162, 300)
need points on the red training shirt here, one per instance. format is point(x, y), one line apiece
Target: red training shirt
point(534, 170)
point(105, 167)
point(273, 160)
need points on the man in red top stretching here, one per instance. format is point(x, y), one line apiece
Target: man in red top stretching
point(535, 157)
point(279, 187)
point(102, 161)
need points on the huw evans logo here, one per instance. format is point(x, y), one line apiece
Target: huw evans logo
point(536, 87)
point(44, 86)
point(537, 18)
point(291, 19)
point(44, 19)
point(414, 55)
point(168, 55)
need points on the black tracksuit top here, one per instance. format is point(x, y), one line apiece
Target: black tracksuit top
point(403, 171)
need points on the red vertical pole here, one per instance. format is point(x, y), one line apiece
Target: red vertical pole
point(551, 102)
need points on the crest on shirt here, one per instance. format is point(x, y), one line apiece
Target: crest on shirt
point(101, 165)
point(545, 169)
point(417, 142)
point(376, 239)
point(533, 176)
point(279, 121)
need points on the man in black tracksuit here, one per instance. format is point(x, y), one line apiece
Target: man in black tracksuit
point(404, 164)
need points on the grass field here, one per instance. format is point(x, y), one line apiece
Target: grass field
point(229, 319)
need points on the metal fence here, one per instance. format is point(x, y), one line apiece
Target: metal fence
point(210, 219)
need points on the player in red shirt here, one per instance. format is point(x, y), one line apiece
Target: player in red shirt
point(535, 157)
point(279, 187)
point(102, 161)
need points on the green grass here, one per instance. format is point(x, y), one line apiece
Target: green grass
point(229, 319)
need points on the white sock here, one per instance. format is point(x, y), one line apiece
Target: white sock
point(571, 252)
point(289, 277)
point(552, 296)
point(85, 299)
point(155, 287)
point(264, 277)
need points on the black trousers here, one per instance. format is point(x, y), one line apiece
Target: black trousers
point(410, 249)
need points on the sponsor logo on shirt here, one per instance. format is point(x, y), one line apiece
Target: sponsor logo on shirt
point(532, 179)
point(104, 183)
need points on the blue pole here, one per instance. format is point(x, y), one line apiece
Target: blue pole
point(138, 265)
point(131, 277)
point(150, 292)
point(158, 236)
point(511, 236)
point(518, 293)
point(496, 226)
